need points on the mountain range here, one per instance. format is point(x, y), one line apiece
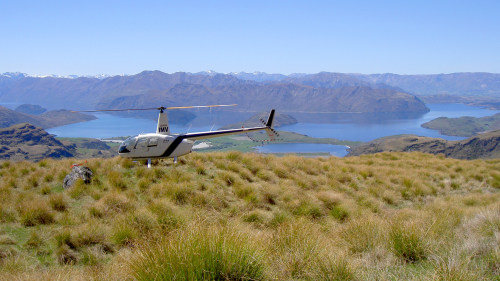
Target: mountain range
point(323, 92)
point(320, 92)
point(454, 84)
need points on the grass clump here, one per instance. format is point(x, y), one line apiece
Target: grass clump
point(408, 242)
point(114, 203)
point(34, 241)
point(35, 212)
point(65, 255)
point(199, 253)
point(335, 269)
point(58, 203)
point(363, 234)
point(7, 214)
point(123, 233)
point(339, 212)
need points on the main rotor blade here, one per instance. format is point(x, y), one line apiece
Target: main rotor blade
point(201, 106)
point(157, 108)
point(125, 109)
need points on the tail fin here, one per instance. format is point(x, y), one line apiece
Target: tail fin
point(163, 127)
point(270, 120)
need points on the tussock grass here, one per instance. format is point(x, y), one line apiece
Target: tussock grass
point(58, 203)
point(199, 253)
point(35, 212)
point(408, 242)
point(389, 216)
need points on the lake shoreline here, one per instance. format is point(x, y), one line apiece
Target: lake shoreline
point(349, 127)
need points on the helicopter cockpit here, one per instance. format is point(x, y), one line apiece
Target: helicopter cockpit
point(127, 145)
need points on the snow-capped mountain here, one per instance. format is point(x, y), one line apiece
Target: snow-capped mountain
point(19, 75)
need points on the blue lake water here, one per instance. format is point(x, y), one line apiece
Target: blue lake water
point(335, 150)
point(107, 125)
point(343, 126)
point(367, 127)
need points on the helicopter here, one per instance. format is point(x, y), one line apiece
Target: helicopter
point(164, 144)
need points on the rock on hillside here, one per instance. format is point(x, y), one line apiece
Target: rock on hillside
point(25, 141)
point(482, 146)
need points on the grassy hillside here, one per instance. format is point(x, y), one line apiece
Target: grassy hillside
point(243, 216)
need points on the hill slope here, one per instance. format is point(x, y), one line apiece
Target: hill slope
point(25, 141)
point(30, 109)
point(45, 120)
point(464, 126)
point(390, 216)
point(485, 145)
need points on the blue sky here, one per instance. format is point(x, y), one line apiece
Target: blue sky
point(127, 37)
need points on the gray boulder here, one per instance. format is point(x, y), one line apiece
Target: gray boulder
point(78, 172)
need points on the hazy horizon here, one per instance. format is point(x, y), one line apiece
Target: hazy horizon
point(105, 75)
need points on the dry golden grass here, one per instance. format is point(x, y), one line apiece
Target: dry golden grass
point(403, 216)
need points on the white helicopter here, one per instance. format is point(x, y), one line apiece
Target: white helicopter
point(164, 144)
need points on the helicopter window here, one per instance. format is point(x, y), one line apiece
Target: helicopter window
point(128, 141)
point(153, 142)
point(142, 143)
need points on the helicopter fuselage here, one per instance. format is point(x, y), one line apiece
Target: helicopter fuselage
point(155, 146)
point(163, 144)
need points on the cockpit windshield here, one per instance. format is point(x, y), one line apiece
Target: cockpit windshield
point(129, 141)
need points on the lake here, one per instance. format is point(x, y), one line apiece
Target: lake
point(343, 126)
point(367, 126)
point(335, 150)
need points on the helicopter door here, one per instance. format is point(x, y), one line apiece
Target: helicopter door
point(153, 142)
point(141, 143)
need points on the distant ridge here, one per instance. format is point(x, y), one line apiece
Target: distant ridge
point(485, 145)
point(45, 120)
point(321, 90)
point(465, 126)
point(317, 93)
